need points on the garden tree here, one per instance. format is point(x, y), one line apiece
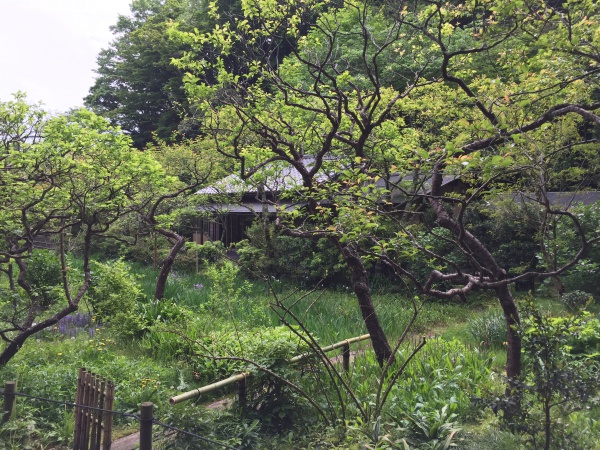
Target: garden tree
point(75, 181)
point(272, 114)
point(533, 91)
point(561, 377)
point(20, 125)
point(187, 167)
point(500, 122)
point(137, 88)
point(521, 71)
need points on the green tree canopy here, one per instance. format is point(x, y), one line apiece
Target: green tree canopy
point(76, 179)
point(137, 88)
point(475, 90)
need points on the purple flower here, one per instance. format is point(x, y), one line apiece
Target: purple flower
point(72, 324)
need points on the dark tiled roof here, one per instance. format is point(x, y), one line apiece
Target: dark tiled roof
point(246, 207)
point(562, 199)
point(572, 198)
point(275, 177)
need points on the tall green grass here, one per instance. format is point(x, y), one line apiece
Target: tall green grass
point(330, 315)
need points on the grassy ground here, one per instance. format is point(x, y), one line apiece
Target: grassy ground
point(154, 367)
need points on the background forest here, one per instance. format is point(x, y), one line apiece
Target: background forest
point(425, 172)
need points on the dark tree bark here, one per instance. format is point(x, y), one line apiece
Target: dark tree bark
point(491, 276)
point(360, 284)
point(491, 270)
point(167, 264)
point(511, 315)
point(17, 342)
point(177, 241)
point(359, 279)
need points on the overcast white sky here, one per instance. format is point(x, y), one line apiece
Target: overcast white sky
point(48, 48)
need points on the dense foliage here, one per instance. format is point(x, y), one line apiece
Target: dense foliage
point(423, 144)
point(137, 88)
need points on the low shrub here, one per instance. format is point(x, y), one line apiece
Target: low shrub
point(227, 352)
point(147, 315)
point(584, 334)
point(557, 381)
point(142, 252)
point(207, 254)
point(114, 290)
point(44, 274)
point(43, 268)
point(262, 353)
point(576, 300)
point(303, 261)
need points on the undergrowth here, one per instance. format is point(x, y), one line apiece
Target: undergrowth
point(216, 324)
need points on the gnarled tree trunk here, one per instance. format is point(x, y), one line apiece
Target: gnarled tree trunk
point(167, 264)
point(495, 274)
point(360, 285)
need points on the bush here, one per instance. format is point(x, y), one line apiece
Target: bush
point(576, 300)
point(227, 291)
point(142, 251)
point(209, 254)
point(584, 338)
point(215, 356)
point(583, 275)
point(556, 381)
point(304, 261)
point(147, 315)
point(44, 274)
point(226, 353)
point(114, 290)
point(44, 269)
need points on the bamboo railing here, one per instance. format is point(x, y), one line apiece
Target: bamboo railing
point(241, 378)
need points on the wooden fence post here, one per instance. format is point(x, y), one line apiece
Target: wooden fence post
point(108, 415)
point(146, 419)
point(242, 394)
point(346, 357)
point(10, 387)
point(79, 411)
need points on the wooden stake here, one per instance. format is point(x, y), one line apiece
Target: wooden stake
point(146, 419)
point(346, 357)
point(10, 387)
point(108, 416)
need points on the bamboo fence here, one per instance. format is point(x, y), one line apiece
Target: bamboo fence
point(93, 413)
